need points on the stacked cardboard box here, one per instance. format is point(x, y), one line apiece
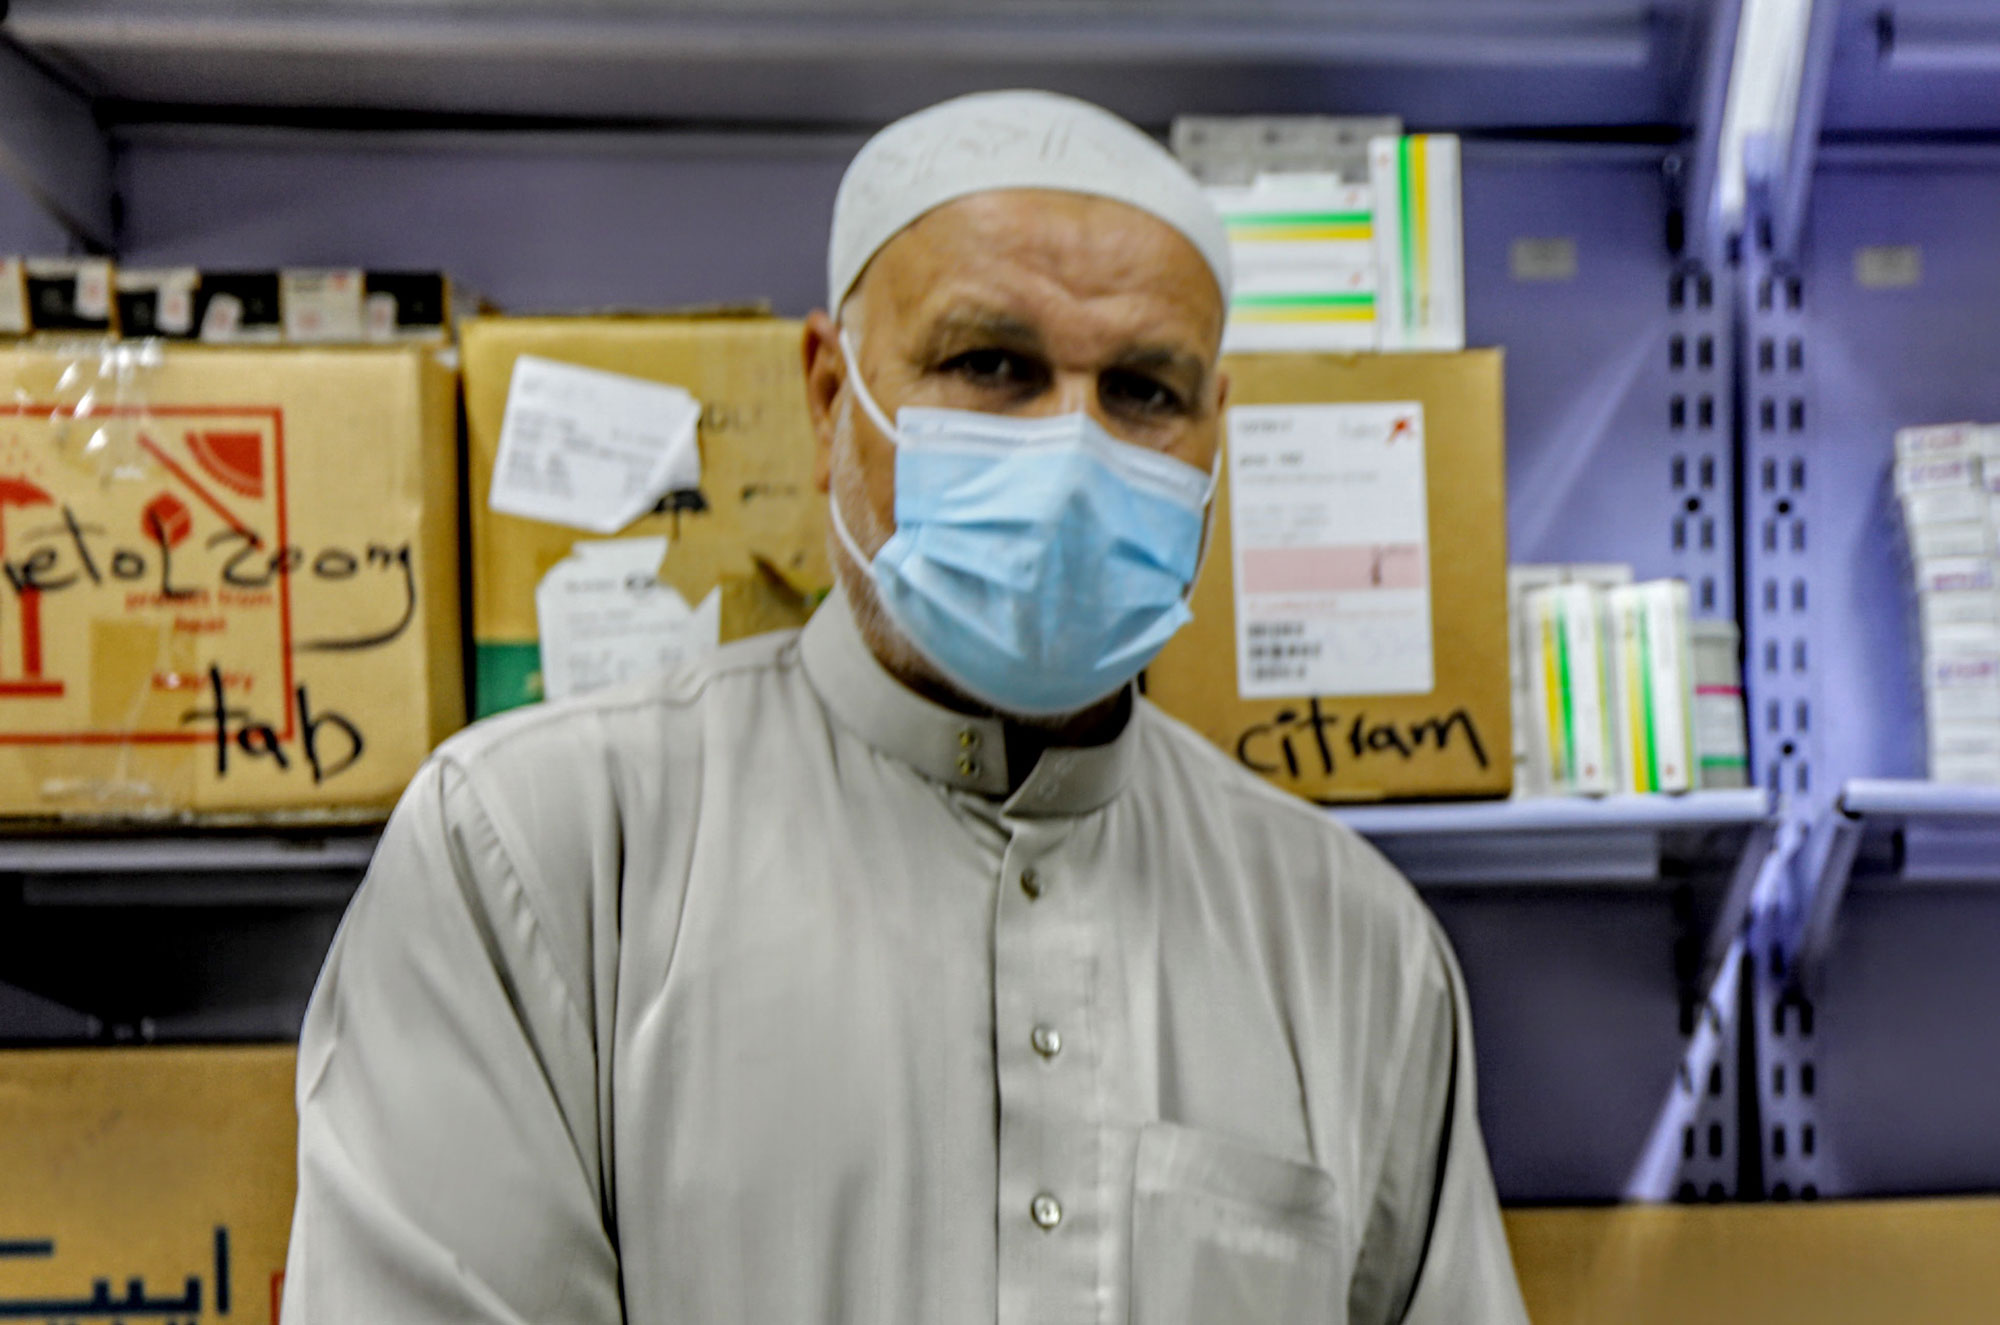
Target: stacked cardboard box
point(168, 1173)
point(231, 578)
point(1610, 690)
point(572, 591)
point(1947, 482)
point(1350, 629)
point(1338, 242)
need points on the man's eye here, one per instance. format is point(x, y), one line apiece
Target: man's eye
point(1138, 392)
point(1002, 369)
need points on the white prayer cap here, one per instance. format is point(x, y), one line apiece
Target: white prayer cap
point(1008, 140)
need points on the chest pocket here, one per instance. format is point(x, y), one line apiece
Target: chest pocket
point(1226, 1235)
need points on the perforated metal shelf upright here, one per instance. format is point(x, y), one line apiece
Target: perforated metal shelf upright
point(703, 144)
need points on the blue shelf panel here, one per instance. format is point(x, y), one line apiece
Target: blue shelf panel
point(1831, 663)
point(1913, 66)
point(1440, 63)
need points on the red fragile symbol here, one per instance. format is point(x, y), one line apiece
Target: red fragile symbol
point(166, 517)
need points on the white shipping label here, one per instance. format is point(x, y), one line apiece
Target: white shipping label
point(605, 616)
point(1332, 550)
point(591, 449)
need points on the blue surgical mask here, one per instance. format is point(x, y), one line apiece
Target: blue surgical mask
point(1037, 563)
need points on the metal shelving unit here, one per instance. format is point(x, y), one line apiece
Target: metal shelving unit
point(1873, 991)
point(705, 145)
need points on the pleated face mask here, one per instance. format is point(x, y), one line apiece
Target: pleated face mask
point(1037, 563)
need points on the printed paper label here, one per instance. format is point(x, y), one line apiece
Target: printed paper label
point(591, 449)
point(605, 616)
point(1332, 550)
point(379, 316)
point(321, 306)
point(174, 311)
point(223, 318)
point(93, 290)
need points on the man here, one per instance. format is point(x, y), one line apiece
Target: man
point(910, 968)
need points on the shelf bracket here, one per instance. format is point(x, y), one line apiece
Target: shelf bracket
point(1701, 204)
point(52, 148)
point(1734, 914)
point(1789, 188)
point(1822, 872)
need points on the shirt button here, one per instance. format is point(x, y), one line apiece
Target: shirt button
point(1031, 883)
point(968, 739)
point(1047, 1041)
point(1046, 1210)
point(967, 765)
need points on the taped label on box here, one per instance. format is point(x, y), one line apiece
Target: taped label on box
point(606, 617)
point(1328, 508)
point(591, 449)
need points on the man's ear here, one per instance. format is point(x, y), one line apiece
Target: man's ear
point(1221, 391)
point(826, 374)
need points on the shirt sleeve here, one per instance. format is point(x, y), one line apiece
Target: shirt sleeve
point(448, 1163)
point(1435, 1251)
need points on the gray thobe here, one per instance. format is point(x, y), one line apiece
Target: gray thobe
point(749, 995)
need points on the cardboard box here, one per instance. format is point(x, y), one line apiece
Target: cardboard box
point(231, 579)
point(753, 531)
point(1572, 739)
point(1302, 247)
point(1532, 767)
point(145, 1184)
point(1652, 685)
point(1354, 645)
point(1419, 242)
point(1806, 1263)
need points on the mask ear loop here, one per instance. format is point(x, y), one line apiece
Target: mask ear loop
point(1207, 522)
point(864, 395)
point(882, 424)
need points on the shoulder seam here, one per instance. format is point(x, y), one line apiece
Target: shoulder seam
point(534, 718)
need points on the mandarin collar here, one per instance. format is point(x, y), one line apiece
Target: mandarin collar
point(962, 751)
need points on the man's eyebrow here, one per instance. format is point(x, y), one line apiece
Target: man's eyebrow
point(956, 328)
point(960, 327)
point(1164, 358)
